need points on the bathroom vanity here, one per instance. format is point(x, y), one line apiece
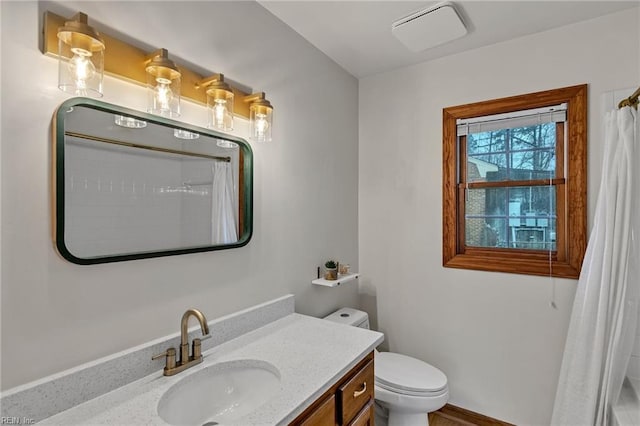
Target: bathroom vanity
point(266, 365)
point(348, 402)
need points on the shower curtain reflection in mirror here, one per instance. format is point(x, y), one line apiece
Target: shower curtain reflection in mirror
point(223, 212)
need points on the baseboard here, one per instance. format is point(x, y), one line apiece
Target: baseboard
point(467, 417)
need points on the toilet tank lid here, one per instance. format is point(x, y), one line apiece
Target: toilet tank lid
point(348, 316)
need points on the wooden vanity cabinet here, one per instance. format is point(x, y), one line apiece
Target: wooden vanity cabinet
point(349, 401)
point(365, 416)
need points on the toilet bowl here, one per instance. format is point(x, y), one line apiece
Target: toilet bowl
point(406, 388)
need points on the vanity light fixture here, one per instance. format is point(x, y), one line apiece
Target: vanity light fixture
point(80, 57)
point(260, 117)
point(163, 85)
point(81, 45)
point(220, 98)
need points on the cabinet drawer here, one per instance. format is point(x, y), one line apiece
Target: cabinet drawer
point(365, 416)
point(324, 415)
point(354, 394)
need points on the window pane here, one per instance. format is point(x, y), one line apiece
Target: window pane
point(535, 238)
point(486, 232)
point(535, 164)
point(487, 142)
point(486, 167)
point(538, 199)
point(523, 153)
point(518, 217)
point(531, 137)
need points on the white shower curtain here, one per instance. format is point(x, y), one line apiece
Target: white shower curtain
point(604, 316)
point(223, 220)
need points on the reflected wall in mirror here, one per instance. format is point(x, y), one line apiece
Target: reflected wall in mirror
point(130, 185)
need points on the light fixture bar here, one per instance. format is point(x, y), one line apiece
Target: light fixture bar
point(202, 84)
point(259, 96)
point(125, 61)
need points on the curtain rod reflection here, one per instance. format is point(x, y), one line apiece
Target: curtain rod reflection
point(150, 148)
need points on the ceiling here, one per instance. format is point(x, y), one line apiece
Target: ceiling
point(357, 34)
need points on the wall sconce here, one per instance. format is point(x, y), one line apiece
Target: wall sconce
point(260, 117)
point(219, 102)
point(163, 84)
point(80, 58)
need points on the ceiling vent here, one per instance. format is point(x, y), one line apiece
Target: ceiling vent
point(429, 27)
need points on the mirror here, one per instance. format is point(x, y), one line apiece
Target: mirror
point(130, 185)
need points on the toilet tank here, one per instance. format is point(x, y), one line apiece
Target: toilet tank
point(349, 316)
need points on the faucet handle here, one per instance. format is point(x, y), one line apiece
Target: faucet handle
point(170, 353)
point(165, 353)
point(197, 347)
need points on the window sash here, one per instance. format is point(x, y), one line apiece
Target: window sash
point(558, 215)
point(510, 172)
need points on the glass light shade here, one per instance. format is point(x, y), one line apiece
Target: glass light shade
point(163, 96)
point(223, 143)
point(185, 134)
point(80, 61)
point(260, 122)
point(163, 86)
point(129, 122)
point(220, 108)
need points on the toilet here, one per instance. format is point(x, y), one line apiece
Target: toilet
point(406, 389)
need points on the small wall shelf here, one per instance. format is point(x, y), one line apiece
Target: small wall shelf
point(334, 283)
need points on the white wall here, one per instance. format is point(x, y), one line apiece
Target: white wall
point(55, 314)
point(494, 335)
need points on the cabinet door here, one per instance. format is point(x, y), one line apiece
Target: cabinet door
point(354, 394)
point(324, 415)
point(365, 416)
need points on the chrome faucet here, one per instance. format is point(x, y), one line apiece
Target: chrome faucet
point(172, 366)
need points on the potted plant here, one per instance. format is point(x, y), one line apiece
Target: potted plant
point(331, 270)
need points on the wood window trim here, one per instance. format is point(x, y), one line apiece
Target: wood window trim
point(570, 251)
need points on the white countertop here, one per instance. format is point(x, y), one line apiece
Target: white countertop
point(309, 353)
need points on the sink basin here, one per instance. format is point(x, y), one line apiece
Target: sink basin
point(219, 393)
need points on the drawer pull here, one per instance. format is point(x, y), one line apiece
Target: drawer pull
point(360, 392)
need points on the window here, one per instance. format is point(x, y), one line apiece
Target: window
point(514, 183)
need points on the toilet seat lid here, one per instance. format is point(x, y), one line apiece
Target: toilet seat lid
point(397, 371)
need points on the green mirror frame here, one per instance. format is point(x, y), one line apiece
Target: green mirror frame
point(60, 215)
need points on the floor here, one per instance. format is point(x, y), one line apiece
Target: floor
point(440, 419)
point(450, 415)
point(437, 419)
